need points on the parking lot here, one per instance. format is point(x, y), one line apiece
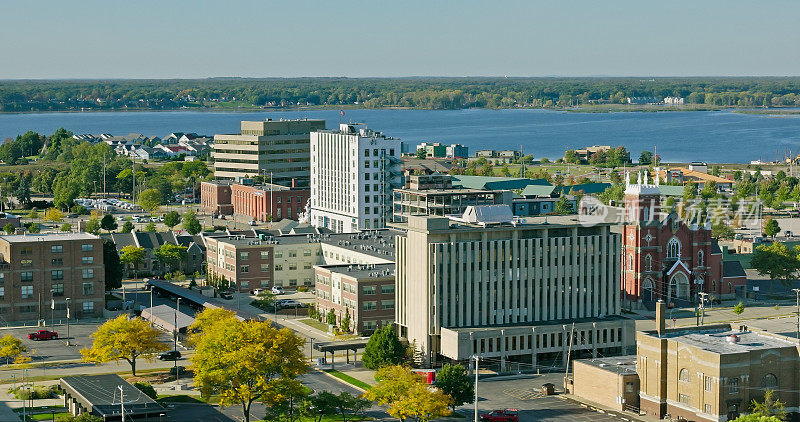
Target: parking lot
point(524, 394)
point(53, 350)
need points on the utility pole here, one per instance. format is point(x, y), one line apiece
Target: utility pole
point(177, 305)
point(702, 314)
point(104, 174)
point(477, 359)
point(133, 195)
point(797, 294)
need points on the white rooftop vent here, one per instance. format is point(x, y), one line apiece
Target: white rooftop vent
point(487, 214)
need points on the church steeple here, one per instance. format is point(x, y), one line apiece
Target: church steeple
point(643, 199)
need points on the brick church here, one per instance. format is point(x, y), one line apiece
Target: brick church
point(667, 258)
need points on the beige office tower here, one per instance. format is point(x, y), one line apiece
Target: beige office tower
point(508, 290)
point(280, 148)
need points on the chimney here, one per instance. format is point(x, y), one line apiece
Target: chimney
point(661, 310)
point(294, 182)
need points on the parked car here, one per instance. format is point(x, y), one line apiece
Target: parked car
point(277, 290)
point(181, 370)
point(289, 303)
point(43, 335)
point(253, 222)
point(257, 292)
point(170, 355)
point(507, 415)
point(226, 295)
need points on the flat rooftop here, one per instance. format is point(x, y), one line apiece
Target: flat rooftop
point(716, 340)
point(362, 271)
point(100, 393)
point(47, 237)
point(378, 243)
point(620, 365)
point(453, 191)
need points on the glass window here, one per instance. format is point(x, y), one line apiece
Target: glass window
point(244, 255)
point(57, 275)
point(292, 254)
point(27, 292)
point(26, 263)
point(370, 305)
point(264, 267)
point(87, 273)
point(674, 248)
point(244, 268)
point(683, 398)
point(278, 267)
point(307, 252)
point(57, 289)
point(87, 248)
point(307, 266)
point(278, 254)
point(292, 267)
point(708, 383)
point(733, 386)
point(56, 249)
point(684, 375)
point(387, 304)
point(387, 289)
point(292, 282)
point(264, 254)
point(368, 290)
point(87, 260)
point(2, 292)
point(88, 306)
point(57, 262)
point(26, 251)
point(26, 276)
point(769, 381)
point(88, 289)
point(708, 409)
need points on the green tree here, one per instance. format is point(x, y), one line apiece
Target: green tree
point(722, 230)
point(124, 338)
point(348, 405)
point(320, 405)
point(420, 154)
point(150, 227)
point(738, 309)
point(132, 256)
point(645, 158)
point(66, 227)
point(171, 219)
point(127, 227)
point(756, 418)
point(330, 318)
point(33, 227)
point(53, 215)
point(93, 225)
point(771, 227)
point(346, 321)
point(454, 381)
point(771, 406)
point(383, 349)
point(245, 361)
point(108, 223)
point(563, 206)
point(9, 228)
point(147, 389)
point(150, 200)
point(191, 224)
point(776, 261)
point(170, 255)
point(111, 265)
point(407, 396)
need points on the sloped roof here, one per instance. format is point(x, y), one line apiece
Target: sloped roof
point(587, 188)
point(488, 214)
point(669, 190)
point(538, 190)
point(495, 183)
point(732, 269)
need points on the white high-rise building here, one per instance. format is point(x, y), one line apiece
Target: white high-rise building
point(353, 173)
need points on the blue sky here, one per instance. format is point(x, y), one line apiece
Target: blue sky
point(188, 39)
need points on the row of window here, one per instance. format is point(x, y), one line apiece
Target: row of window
point(24, 309)
point(291, 267)
point(768, 381)
point(57, 289)
point(28, 250)
point(86, 273)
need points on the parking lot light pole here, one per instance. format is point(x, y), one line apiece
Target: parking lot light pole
point(477, 358)
point(68, 322)
point(797, 293)
point(177, 306)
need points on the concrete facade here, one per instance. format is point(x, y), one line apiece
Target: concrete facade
point(520, 287)
point(353, 172)
point(611, 382)
point(38, 268)
point(276, 147)
point(215, 197)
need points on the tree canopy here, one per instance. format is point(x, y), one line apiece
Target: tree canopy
point(383, 348)
point(124, 338)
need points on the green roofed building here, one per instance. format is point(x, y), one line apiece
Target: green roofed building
point(495, 183)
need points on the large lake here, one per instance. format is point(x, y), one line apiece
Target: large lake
point(679, 136)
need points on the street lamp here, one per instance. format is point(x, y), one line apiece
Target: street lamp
point(68, 322)
point(477, 358)
point(797, 293)
point(177, 306)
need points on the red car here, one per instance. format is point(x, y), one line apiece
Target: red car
point(508, 415)
point(43, 335)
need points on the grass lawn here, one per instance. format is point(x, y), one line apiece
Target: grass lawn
point(183, 398)
point(48, 416)
point(334, 418)
point(350, 380)
point(313, 323)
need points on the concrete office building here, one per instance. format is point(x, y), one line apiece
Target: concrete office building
point(277, 147)
point(713, 372)
point(434, 194)
point(509, 291)
point(353, 173)
point(38, 268)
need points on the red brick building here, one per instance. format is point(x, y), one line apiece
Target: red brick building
point(215, 197)
point(666, 258)
point(253, 202)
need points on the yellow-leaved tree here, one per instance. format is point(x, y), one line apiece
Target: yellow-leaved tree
point(124, 338)
point(12, 349)
point(244, 361)
point(407, 395)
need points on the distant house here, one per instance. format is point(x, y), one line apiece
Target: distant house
point(673, 100)
point(643, 100)
point(585, 153)
point(150, 241)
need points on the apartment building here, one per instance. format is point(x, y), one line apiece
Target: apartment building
point(434, 194)
point(262, 259)
point(528, 292)
point(195, 250)
point(215, 197)
point(713, 372)
point(268, 202)
point(365, 292)
point(271, 147)
point(353, 172)
point(36, 269)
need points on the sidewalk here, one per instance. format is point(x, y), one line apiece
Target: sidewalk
point(719, 314)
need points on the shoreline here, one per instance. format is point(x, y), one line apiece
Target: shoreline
point(590, 109)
